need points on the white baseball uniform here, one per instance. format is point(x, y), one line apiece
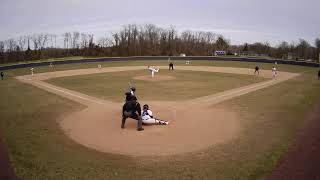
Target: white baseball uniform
point(147, 118)
point(152, 69)
point(274, 72)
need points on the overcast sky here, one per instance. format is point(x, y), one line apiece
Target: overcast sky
point(238, 20)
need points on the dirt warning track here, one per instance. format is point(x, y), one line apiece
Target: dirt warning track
point(194, 124)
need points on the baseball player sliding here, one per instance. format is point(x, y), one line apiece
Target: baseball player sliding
point(132, 109)
point(148, 118)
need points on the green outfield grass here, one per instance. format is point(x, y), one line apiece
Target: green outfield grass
point(45, 60)
point(38, 148)
point(187, 85)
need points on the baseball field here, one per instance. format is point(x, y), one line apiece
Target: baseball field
point(225, 122)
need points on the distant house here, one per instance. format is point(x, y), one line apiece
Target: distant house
point(291, 56)
point(220, 53)
point(263, 55)
point(253, 54)
point(247, 53)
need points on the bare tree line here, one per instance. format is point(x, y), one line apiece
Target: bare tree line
point(145, 40)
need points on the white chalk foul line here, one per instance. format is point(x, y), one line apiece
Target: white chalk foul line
point(233, 94)
point(68, 93)
point(247, 90)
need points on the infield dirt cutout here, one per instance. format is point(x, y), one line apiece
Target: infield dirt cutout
point(194, 124)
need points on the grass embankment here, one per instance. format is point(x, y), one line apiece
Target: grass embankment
point(39, 150)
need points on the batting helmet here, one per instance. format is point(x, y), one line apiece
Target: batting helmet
point(146, 106)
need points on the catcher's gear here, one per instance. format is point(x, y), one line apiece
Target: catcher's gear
point(127, 93)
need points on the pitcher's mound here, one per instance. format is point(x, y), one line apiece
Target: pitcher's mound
point(155, 78)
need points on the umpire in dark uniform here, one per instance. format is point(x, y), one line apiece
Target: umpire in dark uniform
point(318, 74)
point(256, 70)
point(131, 109)
point(171, 66)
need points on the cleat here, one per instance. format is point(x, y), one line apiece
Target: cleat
point(163, 122)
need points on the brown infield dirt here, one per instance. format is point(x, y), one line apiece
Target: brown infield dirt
point(194, 124)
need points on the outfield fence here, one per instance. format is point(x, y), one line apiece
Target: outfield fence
point(145, 58)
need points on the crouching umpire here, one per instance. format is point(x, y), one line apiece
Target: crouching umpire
point(132, 109)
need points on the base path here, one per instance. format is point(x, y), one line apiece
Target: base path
point(194, 124)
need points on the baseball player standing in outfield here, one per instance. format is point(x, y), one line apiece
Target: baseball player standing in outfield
point(318, 74)
point(171, 66)
point(274, 72)
point(256, 70)
point(51, 65)
point(2, 75)
point(147, 117)
point(32, 69)
point(131, 109)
